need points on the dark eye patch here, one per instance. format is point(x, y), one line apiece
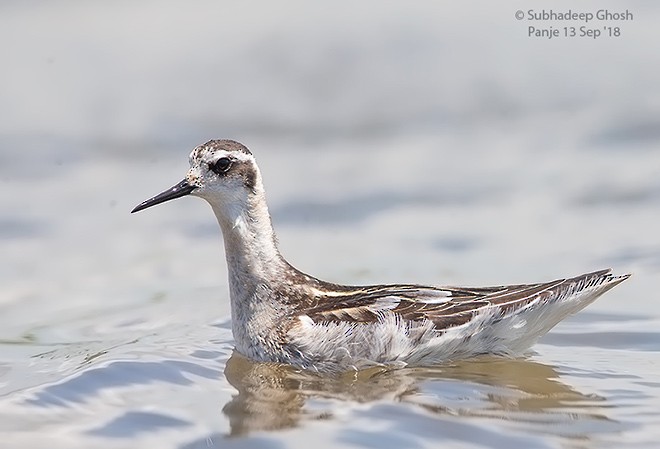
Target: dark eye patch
point(221, 166)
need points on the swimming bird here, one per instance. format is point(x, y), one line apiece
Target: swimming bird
point(280, 314)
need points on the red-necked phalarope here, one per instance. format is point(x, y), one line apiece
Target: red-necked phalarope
point(280, 314)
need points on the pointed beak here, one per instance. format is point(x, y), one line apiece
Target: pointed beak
point(181, 189)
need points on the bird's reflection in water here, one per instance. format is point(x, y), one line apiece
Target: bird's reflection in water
point(273, 396)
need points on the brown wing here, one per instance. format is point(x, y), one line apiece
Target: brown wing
point(444, 306)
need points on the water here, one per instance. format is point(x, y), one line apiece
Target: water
point(431, 143)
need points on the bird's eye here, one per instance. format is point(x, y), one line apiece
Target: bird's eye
point(221, 166)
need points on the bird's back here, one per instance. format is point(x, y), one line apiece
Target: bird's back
point(356, 327)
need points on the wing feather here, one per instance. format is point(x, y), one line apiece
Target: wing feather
point(444, 306)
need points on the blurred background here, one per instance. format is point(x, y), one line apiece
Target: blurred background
point(427, 142)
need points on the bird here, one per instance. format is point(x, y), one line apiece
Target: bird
point(280, 314)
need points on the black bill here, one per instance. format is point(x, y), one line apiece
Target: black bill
point(181, 189)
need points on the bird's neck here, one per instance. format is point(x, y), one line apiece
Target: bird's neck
point(250, 245)
point(255, 269)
